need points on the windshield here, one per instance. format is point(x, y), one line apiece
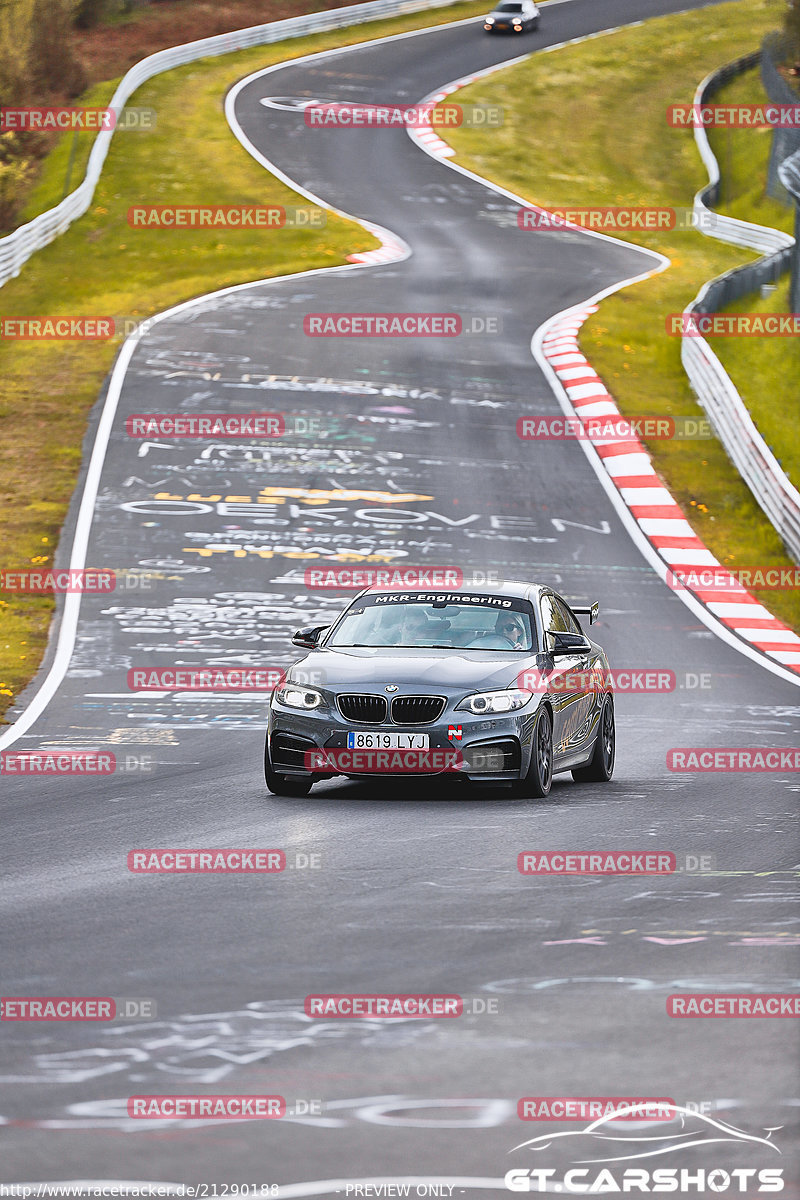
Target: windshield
point(509, 7)
point(476, 623)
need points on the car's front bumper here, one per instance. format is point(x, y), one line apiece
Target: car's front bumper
point(494, 749)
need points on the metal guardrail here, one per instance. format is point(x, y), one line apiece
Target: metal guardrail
point(777, 496)
point(789, 173)
point(17, 247)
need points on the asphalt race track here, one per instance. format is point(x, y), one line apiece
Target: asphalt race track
point(416, 887)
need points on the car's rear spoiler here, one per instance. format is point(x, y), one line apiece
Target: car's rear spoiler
point(592, 611)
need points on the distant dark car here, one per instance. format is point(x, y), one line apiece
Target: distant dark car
point(481, 671)
point(512, 16)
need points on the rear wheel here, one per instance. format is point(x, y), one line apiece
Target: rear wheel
point(283, 785)
point(536, 783)
point(600, 767)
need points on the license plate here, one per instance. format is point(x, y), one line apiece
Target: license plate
point(387, 741)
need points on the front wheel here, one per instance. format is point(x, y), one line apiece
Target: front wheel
point(600, 767)
point(283, 785)
point(536, 783)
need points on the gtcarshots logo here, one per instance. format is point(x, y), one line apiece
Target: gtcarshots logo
point(694, 1129)
point(661, 1179)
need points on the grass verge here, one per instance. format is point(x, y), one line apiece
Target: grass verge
point(100, 266)
point(600, 138)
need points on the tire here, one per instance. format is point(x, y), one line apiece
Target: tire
point(536, 784)
point(283, 785)
point(600, 767)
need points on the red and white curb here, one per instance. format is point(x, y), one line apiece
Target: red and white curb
point(391, 249)
point(428, 139)
point(660, 519)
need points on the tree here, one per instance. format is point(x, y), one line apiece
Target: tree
point(52, 66)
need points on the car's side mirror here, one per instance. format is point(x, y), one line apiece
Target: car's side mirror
point(308, 639)
point(567, 643)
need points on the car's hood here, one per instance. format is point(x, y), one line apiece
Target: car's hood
point(411, 670)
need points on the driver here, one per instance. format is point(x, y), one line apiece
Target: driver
point(510, 627)
point(413, 627)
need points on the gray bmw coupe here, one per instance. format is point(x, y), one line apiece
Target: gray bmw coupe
point(497, 685)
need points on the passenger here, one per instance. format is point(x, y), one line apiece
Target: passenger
point(511, 627)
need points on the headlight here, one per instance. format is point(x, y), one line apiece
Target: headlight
point(495, 702)
point(489, 21)
point(295, 696)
